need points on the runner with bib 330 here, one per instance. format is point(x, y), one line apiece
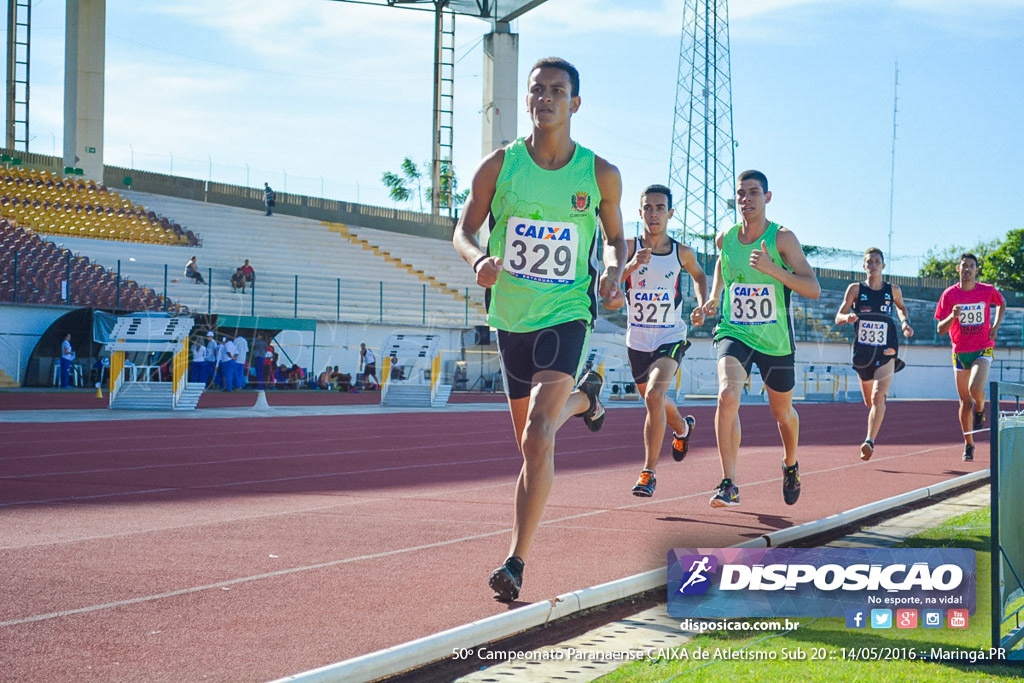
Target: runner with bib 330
point(759, 264)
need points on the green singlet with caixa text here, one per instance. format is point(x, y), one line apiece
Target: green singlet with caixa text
point(756, 308)
point(545, 233)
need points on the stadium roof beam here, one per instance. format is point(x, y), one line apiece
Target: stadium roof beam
point(501, 57)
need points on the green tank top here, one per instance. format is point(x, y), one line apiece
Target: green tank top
point(756, 308)
point(545, 233)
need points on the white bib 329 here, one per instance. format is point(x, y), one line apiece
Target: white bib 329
point(544, 251)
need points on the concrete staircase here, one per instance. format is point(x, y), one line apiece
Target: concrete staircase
point(155, 396)
point(416, 396)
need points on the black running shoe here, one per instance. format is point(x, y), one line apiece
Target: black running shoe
point(681, 444)
point(867, 449)
point(979, 419)
point(727, 495)
point(590, 384)
point(507, 579)
point(645, 484)
point(968, 455)
point(791, 483)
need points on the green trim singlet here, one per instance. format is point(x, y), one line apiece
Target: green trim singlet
point(545, 233)
point(756, 310)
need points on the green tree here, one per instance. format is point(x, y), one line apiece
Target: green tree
point(400, 186)
point(942, 263)
point(1004, 265)
point(448, 194)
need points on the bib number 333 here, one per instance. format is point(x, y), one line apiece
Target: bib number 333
point(752, 304)
point(544, 251)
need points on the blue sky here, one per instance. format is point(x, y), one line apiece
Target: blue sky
point(322, 97)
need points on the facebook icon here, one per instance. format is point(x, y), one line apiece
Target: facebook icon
point(855, 618)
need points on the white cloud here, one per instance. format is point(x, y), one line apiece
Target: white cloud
point(571, 18)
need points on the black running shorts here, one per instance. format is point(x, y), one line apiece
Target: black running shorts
point(640, 362)
point(523, 354)
point(778, 372)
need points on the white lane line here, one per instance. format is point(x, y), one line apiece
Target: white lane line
point(389, 553)
point(241, 580)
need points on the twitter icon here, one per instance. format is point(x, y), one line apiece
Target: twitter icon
point(881, 618)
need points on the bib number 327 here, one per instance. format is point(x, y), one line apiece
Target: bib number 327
point(544, 251)
point(752, 304)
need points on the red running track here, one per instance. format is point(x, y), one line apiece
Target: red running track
point(254, 548)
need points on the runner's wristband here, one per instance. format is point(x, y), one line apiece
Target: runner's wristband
point(479, 261)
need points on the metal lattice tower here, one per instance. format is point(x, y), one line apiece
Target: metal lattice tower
point(703, 165)
point(19, 34)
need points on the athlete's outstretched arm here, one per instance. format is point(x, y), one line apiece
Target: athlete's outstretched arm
point(475, 211)
point(844, 315)
point(802, 279)
point(609, 182)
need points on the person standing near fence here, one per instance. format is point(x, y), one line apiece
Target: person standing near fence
point(67, 357)
point(212, 357)
point(964, 312)
point(876, 344)
point(542, 196)
point(198, 367)
point(368, 367)
point(269, 199)
point(259, 358)
point(242, 346)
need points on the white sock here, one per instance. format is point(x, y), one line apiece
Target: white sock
point(684, 435)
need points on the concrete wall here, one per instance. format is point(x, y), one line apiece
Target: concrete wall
point(20, 330)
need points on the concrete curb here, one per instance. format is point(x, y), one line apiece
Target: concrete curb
point(431, 648)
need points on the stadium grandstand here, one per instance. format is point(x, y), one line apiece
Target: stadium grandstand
point(357, 271)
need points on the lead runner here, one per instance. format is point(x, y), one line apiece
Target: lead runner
point(543, 195)
point(759, 264)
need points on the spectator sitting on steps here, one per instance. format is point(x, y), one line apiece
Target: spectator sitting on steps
point(192, 271)
point(248, 272)
point(238, 281)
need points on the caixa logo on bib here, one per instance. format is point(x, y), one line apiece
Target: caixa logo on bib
point(818, 582)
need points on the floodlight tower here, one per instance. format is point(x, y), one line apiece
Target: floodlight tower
point(703, 165)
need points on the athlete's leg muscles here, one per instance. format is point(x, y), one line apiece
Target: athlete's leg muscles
point(660, 375)
point(540, 420)
point(963, 390)
point(978, 380)
point(731, 378)
point(781, 404)
point(879, 391)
